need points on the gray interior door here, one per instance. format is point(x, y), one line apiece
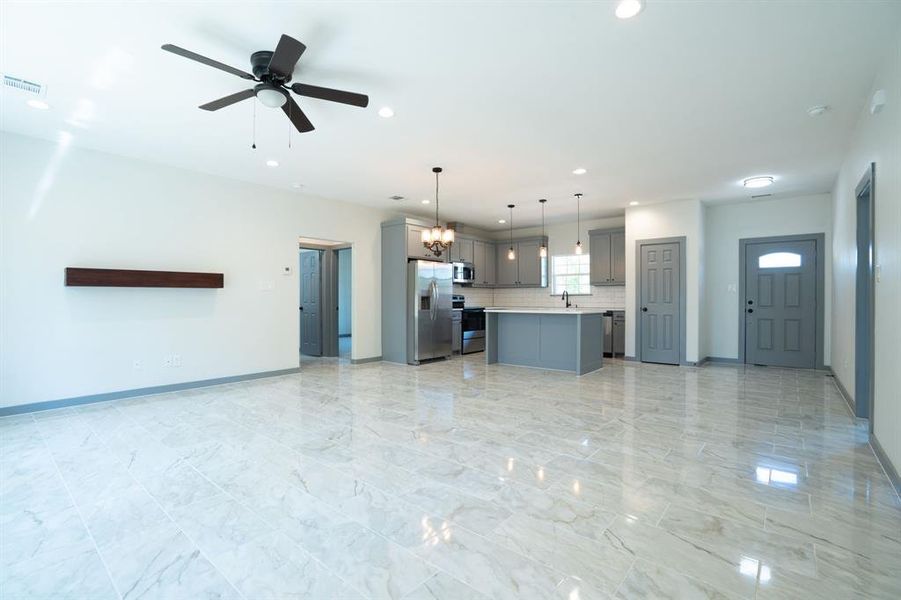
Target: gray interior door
point(781, 304)
point(310, 304)
point(660, 303)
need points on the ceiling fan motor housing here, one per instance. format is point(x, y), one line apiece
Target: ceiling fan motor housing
point(259, 63)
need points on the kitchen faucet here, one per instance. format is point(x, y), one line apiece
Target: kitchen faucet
point(565, 297)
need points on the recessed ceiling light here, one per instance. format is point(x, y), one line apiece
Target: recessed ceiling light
point(579, 171)
point(758, 182)
point(297, 186)
point(386, 112)
point(38, 104)
point(633, 203)
point(626, 9)
point(426, 201)
point(271, 163)
point(816, 111)
point(502, 221)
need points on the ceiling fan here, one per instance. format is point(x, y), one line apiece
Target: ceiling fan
point(273, 72)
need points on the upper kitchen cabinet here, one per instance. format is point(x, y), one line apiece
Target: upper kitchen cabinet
point(608, 256)
point(528, 269)
point(415, 249)
point(484, 262)
point(462, 250)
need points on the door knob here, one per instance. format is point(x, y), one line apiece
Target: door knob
point(644, 309)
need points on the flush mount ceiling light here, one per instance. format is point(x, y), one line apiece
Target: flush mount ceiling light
point(511, 253)
point(502, 221)
point(271, 163)
point(758, 182)
point(626, 9)
point(437, 239)
point(386, 112)
point(633, 203)
point(580, 171)
point(542, 249)
point(578, 223)
point(38, 104)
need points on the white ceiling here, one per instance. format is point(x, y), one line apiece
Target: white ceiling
point(681, 102)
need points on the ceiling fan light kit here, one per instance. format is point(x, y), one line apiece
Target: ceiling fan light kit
point(273, 70)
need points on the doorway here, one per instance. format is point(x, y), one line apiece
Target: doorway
point(661, 300)
point(781, 301)
point(864, 298)
point(325, 291)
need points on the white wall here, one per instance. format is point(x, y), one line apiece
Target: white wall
point(724, 225)
point(670, 219)
point(877, 138)
point(345, 302)
point(63, 206)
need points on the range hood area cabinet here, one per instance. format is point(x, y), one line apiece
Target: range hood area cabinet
point(607, 248)
point(462, 250)
point(526, 270)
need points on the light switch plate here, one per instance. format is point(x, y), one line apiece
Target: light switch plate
point(287, 271)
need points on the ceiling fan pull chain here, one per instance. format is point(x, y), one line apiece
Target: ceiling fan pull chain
point(254, 145)
point(290, 122)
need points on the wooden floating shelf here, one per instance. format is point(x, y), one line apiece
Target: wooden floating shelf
point(77, 276)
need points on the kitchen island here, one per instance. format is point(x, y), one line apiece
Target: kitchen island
point(562, 339)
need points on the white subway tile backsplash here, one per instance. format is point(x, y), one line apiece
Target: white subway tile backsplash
point(613, 297)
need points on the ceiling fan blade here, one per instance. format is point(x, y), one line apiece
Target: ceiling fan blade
point(314, 91)
point(227, 100)
point(207, 61)
point(286, 55)
point(300, 120)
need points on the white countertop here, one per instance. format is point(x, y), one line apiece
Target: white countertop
point(544, 310)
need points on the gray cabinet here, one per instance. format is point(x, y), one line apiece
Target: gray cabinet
point(607, 248)
point(415, 249)
point(507, 270)
point(531, 266)
point(462, 250)
point(526, 270)
point(484, 261)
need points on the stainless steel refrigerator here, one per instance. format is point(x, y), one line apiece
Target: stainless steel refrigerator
point(430, 289)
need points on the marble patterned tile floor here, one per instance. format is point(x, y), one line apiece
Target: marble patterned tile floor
point(453, 480)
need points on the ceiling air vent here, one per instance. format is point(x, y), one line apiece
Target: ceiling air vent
point(23, 85)
point(762, 196)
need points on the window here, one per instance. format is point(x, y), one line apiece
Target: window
point(571, 274)
point(777, 260)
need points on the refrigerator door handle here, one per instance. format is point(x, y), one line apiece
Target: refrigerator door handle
point(433, 293)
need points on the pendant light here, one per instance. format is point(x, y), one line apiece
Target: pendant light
point(542, 249)
point(437, 239)
point(511, 253)
point(578, 223)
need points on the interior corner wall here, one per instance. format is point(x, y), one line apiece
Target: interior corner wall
point(64, 206)
point(345, 302)
point(876, 139)
point(724, 226)
point(679, 218)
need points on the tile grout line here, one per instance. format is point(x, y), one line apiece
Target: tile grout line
point(78, 510)
point(169, 516)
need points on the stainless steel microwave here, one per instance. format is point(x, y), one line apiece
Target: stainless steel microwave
point(464, 272)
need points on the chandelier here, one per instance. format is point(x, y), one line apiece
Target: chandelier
point(437, 239)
